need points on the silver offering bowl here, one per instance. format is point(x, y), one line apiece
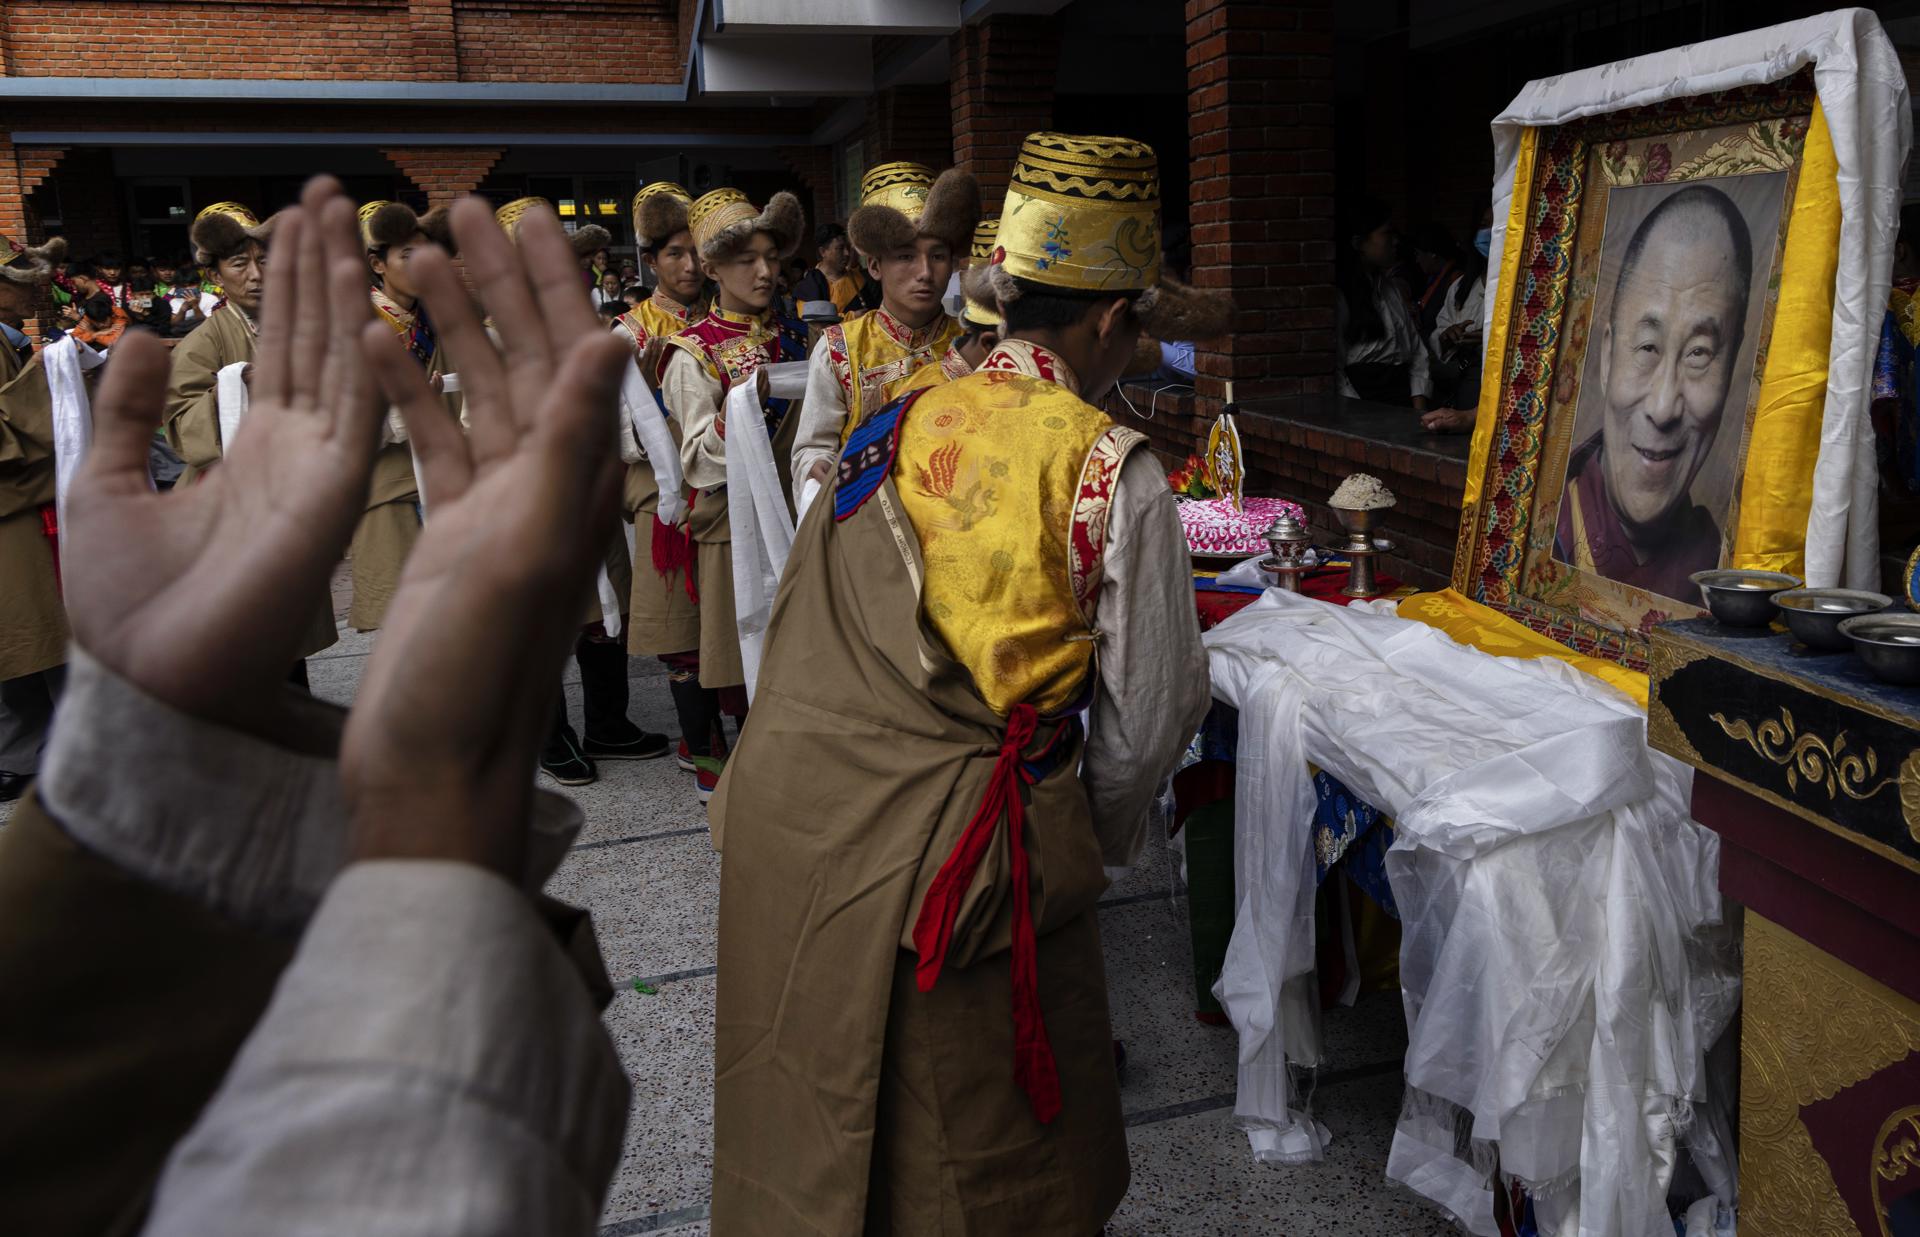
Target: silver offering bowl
point(1360, 549)
point(1814, 615)
point(1888, 643)
point(1743, 598)
point(1288, 539)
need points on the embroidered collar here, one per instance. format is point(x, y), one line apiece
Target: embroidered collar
point(1023, 356)
point(667, 305)
point(907, 337)
point(253, 327)
point(737, 321)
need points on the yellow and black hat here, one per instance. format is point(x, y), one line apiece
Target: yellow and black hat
point(901, 202)
point(723, 220)
point(384, 225)
point(1082, 214)
point(586, 239)
point(659, 211)
point(224, 229)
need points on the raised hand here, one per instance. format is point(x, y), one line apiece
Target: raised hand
point(202, 595)
point(439, 752)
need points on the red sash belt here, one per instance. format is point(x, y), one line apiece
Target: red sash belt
point(1033, 1064)
point(673, 551)
point(50, 525)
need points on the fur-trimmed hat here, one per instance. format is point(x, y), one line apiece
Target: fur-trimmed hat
point(585, 239)
point(948, 211)
point(1096, 233)
point(659, 212)
point(723, 220)
point(224, 229)
point(394, 223)
point(30, 264)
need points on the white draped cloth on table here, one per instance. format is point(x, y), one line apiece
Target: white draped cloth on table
point(1563, 963)
point(1863, 91)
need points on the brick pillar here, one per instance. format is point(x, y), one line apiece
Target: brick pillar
point(1260, 84)
point(13, 210)
point(812, 166)
point(430, 36)
point(911, 122)
point(443, 172)
point(1002, 90)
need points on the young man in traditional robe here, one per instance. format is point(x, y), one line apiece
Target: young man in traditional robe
point(740, 250)
point(912, 1024)
point(386, 533)
point(570, 758)
point(230, 244)
point(665, 617)
point(907, 231)
point(33, 623)
point(980, 324)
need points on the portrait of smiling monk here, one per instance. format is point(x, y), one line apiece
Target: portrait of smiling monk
point(1669, 345)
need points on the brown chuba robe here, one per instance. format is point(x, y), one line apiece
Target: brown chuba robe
point(662, 617)
point(846, 1100)
point(193, 422)
point(33, 620)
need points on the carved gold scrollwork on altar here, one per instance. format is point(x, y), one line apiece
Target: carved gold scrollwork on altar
point(1828, 765)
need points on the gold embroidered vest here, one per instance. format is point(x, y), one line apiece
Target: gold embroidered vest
point(1006, 478)
point(657, 316)
point(873, 355)
point(951, 365)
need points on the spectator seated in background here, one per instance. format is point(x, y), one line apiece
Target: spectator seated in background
point(101, 321)
point(1381, 355)
point(1455, 342)
point(146, 307)
point(607, 291)
point(610, 311)
point(110, 273)
point(634, 294)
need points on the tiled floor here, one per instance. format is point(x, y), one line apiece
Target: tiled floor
point(645, 869)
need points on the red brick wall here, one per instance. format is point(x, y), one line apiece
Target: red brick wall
point(443, 173)
point(911, 122)
point(1001, 89)
point(813, 167)
point(426, 40)
point(575, 41)
point(1260, 76)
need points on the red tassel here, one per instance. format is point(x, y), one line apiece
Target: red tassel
point(50, 525)
point(1034, 1068)
point(672, 548)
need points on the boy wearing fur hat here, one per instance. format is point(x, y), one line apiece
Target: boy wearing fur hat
point(980, 324)
point(912, 1012)
point(33, 622)
point(665, 620)
point(907, 230)
point(740, 250)
point(230, 243)
point(391, 524)
point(610, 733)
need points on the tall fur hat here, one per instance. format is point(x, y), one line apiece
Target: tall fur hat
point(949, 212)
point(224, 229)
point(659, 212)
point(30, 264)
point(585, 239)
point(1167, 310)
point(394, 223)
point(723, 220)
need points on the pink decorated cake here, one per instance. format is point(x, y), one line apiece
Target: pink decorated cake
point(1213, 527)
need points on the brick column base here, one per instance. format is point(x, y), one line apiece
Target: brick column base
point(443, 173)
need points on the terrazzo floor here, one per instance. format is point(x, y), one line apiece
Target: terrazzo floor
point(644, 867)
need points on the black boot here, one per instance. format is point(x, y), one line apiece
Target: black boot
point(603, 689)
point(562, 759)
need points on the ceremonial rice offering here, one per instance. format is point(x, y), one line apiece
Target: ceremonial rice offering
point(1361, 492)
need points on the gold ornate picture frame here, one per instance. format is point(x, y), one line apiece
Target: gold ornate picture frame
point(1614, 219)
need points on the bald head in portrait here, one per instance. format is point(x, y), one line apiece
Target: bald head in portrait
point(1668, 345)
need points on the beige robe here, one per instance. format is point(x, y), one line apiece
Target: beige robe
point(663, 617)
point(33, 620)
point(193, 422)
point(694, 397)
point(846, 1099)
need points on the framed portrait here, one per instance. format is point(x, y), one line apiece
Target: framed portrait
point(1634, 339)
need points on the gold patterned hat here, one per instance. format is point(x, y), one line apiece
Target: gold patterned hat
point(30, 264)
point(901, 202)
point(366, 213)
point(586, 239)
point(1082, 215)
point(659, 212)
point(224, 229)
point(723, 220)
point(986, 237)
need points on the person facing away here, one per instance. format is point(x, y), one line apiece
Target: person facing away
point(1667, 352)
point(912, 1021)
point(1381, 357)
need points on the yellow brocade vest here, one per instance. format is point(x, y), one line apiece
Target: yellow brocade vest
point(1004, 476)
point(657, 316)
point(874, 355)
